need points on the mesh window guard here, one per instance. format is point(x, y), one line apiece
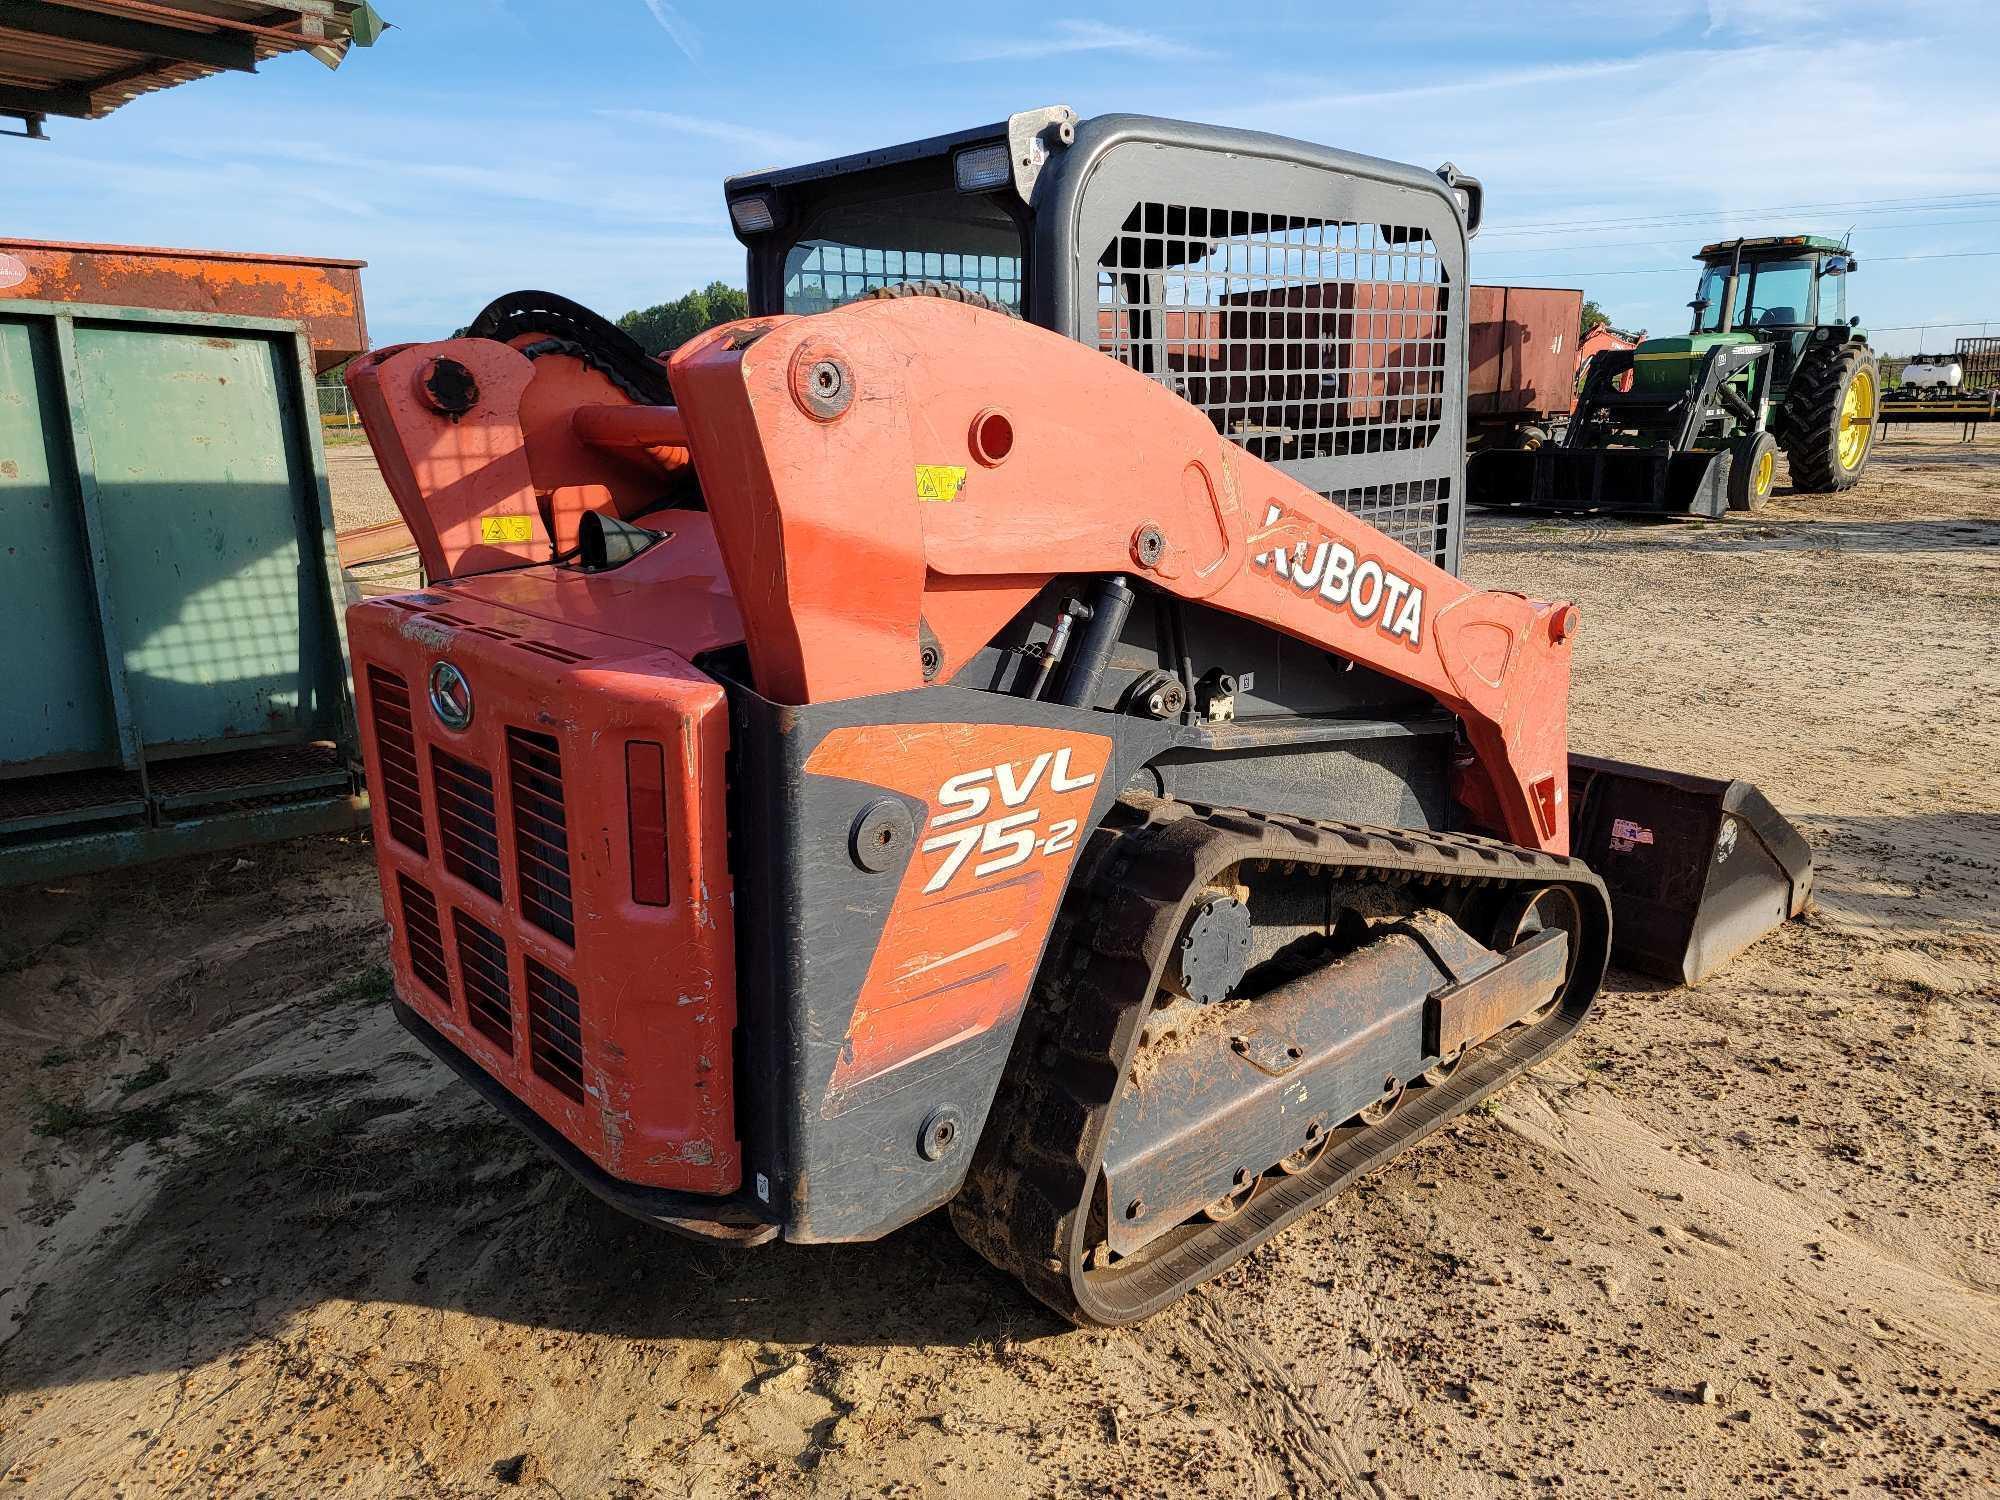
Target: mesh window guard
point(821, 274)
point(1300, 338)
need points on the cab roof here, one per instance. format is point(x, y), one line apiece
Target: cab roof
point(1770, 244)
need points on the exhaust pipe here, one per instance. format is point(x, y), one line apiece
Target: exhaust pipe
point(1698, 869)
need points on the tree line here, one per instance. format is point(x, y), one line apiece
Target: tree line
point(664, 327)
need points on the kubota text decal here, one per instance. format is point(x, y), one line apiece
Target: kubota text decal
point(1342, 579)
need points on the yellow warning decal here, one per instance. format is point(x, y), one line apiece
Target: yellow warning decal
point(504, 529)
point(939, 481)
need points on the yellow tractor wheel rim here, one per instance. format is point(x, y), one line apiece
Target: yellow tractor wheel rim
point(1857, 415)
point(1767, 468)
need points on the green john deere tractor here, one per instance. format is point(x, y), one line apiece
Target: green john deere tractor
point(1692, 424)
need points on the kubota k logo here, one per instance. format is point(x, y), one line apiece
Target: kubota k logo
point(451, 696)
point(1017, 833)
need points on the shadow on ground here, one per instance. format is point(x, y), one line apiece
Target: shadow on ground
point(391, 1183)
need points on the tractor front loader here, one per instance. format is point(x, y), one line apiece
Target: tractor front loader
point(895, 755)
point(1692, 424)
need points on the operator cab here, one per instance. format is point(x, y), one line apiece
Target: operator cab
point(1780, 288)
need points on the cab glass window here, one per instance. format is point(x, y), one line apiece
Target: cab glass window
point(1774, 294)
point(851, 248)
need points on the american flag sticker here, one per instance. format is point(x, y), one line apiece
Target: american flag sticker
point(1627, 835)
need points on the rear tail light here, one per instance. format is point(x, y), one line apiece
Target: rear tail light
point(646, 805)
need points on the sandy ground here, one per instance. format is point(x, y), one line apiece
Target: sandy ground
point(1740, 1238)
point(360, 498)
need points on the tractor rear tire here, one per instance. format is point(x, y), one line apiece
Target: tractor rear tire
point(944, 291)
point(1830, 416)
point(1753, 469)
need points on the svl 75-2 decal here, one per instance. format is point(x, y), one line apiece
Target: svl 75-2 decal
point(1005, 808)
point(1017, 833)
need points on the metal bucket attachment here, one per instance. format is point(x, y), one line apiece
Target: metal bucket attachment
point(1625, 481)
point(1698, 869)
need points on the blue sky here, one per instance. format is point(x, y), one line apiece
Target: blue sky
point(490, 144)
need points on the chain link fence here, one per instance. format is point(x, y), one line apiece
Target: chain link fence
point(337, 417)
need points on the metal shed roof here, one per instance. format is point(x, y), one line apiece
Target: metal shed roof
point(84, 58)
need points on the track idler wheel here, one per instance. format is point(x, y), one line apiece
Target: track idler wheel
point(1528, 912)
point(1381, 1109)
point(1237, 1199)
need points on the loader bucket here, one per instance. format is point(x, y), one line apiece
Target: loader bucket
point(1621, 481)
point(1698, 869)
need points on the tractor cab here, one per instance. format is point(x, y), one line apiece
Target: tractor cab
point(1779, 290)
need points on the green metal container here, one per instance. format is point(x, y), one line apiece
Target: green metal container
point(175, 670)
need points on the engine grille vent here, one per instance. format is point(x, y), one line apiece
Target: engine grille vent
point(482, 969)
point(541, 832)
point(396, 753)
point(549, 649)
point(555, 1031)
point(420, 931)
point(467, 823)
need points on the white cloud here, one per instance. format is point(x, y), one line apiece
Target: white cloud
point(675, 25)
point(1067, 38)
point(780, 148)
point(1645, 130)
point(1786, 18)
point(1275, 111)
point(1624, 110)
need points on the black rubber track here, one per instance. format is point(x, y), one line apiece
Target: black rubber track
point(1026, 1205)
point(943, 291)
point(1812, 419)
point(574, 329)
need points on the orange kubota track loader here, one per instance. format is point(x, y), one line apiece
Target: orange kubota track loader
point(896, 755)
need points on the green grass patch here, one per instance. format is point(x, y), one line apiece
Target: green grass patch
point(60, 1118)
point(154, 1072)
point(71, 1120)
point(370, 984)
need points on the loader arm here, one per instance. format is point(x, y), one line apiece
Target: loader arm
point(896, 473)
